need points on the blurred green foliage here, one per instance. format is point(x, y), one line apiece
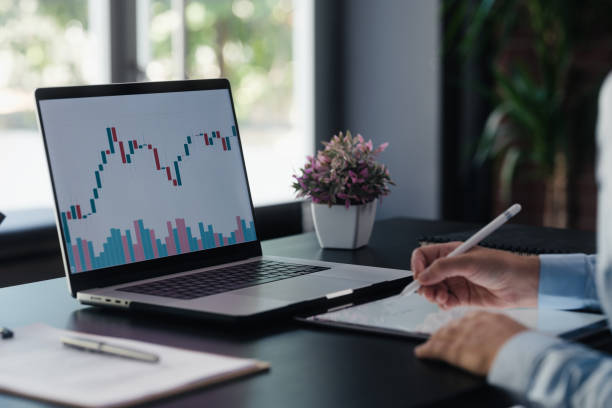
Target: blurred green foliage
point(541, 85)
point(247, 41)
point(251, 41)
point(37, 50)
point(64, 11)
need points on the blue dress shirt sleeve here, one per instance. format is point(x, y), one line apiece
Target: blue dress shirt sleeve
point(514, 364)
point(553, 372)
point(548, 370)
point(568, 282)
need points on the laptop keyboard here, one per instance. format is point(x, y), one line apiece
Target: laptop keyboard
point(222, 280)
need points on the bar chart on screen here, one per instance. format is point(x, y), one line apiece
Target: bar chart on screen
point(142, 185)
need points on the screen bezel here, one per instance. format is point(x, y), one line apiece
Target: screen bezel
point(154, 267)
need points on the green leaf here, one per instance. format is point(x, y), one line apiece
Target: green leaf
point(508, 167)
point(491, 129)
point(455, 13)
point(476, 25)
point(518, 104)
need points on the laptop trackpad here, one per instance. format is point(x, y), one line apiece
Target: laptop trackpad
point(306, 287)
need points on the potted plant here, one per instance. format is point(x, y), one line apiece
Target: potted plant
point(344, 182)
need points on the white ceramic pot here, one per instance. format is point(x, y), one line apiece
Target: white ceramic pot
point(341, 227)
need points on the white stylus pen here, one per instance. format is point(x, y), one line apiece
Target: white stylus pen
point(473, 240)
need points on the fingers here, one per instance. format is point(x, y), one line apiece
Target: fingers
point(431, 292)
point(444, 268)
point(440, 295)
point(424, 256)
point(417, 262)
point(433, 349)
point(471, 342)
point(451, 282)
point(451, 301)
point(437, 347)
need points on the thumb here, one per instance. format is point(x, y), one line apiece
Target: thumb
point(445, 268)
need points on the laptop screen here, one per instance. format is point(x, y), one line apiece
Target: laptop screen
point(146, 176)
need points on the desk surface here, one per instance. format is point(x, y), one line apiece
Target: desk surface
point(309, 367)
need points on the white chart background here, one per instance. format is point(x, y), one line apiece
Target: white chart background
point(213, 191)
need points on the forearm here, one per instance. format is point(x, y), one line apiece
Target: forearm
point(553, 372)
point(567, 282)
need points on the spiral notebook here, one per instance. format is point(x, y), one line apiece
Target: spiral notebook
point(527, 240)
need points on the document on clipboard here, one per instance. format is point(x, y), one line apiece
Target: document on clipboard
point(414, 316)
point(37, 365)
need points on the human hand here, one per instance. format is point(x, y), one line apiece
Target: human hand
point(479, 277)
point(472, 342)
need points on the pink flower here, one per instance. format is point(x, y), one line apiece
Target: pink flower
point(382, 147)
point(345, 171)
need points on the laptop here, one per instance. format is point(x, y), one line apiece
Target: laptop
point(154, 210)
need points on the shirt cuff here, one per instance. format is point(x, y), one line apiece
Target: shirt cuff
point(567, 282)
point(513, 368)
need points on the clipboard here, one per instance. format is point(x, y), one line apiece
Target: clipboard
point(35, 364)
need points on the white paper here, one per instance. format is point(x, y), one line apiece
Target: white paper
point(36, 363)
point(414, 314)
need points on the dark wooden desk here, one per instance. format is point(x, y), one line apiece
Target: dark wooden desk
point(310, 367)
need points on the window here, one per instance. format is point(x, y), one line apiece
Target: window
point(41, 44)
point(264, 47)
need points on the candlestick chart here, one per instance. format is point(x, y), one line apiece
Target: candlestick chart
point(135, 189)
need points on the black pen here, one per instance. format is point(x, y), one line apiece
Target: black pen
point(6, 333)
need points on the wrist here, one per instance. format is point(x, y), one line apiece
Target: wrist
point(530, 280)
